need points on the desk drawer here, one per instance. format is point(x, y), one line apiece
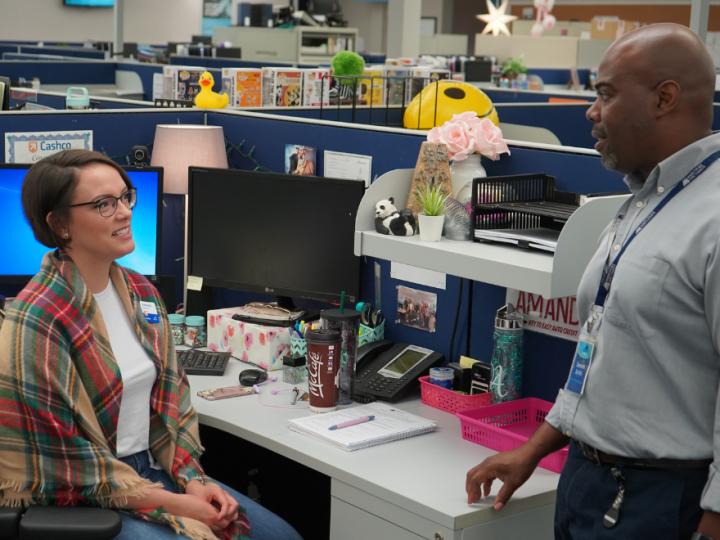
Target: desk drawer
point(348, 522)
point(351, 508)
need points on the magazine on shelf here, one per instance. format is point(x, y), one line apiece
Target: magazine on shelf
point(537, 238)
point(389, 424)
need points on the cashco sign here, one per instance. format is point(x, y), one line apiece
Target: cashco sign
point(30, 147)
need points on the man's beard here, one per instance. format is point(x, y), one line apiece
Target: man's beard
point(609, 160)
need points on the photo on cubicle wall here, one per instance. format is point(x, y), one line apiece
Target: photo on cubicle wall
point(299, 160)
point(417, 309)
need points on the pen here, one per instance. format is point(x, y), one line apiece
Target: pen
point(353, 422)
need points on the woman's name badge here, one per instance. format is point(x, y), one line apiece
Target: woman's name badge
point(150, 311)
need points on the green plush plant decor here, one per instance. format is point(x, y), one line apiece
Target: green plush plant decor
point(432, 200)
point(347, 63)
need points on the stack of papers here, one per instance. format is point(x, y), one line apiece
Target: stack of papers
point(537, 238)
point(389, 424)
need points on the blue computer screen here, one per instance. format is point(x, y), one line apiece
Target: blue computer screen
point(22, 254)
point(90, 3)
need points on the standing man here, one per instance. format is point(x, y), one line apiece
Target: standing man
point(640, 407)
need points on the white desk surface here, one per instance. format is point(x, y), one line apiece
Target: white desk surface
point(423, 474)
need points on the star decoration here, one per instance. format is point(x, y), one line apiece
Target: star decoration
point(496, 19)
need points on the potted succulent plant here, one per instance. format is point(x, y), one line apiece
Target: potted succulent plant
point(431, 220)
point(513, 73)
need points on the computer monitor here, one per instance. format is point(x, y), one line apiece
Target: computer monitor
point(89, 3)
point(130, 49)
point(198, 39)
point(4, 93)
point(23, 254)
point(478, 70)
point(288, 236)
point(320, 7)
point(228, 52)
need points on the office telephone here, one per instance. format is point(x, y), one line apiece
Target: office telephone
point(386, 370)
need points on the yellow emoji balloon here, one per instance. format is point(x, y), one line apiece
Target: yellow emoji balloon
point(431, 108)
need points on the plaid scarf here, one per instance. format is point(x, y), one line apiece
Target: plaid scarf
point(60, 393)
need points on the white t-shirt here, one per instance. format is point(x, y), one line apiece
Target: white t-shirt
point(137, 371)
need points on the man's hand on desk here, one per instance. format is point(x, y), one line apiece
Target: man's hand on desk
point(224, 506)
point(512, 468)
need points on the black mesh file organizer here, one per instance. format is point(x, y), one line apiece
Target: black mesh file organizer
point(524, 203)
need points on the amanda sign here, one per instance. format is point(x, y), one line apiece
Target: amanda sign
point(552, 316)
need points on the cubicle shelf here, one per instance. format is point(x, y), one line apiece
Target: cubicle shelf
point(528, 270)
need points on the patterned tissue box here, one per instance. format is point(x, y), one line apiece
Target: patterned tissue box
point(264, 346)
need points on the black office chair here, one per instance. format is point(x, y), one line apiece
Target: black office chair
point(59, 523)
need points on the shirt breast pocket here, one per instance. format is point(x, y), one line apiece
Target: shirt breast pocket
point(636, 294)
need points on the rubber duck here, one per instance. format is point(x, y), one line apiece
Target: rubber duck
point(206, 98)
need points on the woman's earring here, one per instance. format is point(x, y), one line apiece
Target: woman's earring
point(66, 236)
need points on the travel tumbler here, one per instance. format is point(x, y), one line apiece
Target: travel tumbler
point(323, 355)
point(346, 322)
point(507, 355)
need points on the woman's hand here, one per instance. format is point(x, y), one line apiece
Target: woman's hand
point(221, 501)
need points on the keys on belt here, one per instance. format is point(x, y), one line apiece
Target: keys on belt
point(612, 515)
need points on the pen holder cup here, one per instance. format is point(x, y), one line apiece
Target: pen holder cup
point(298, 346)
point(370, 334)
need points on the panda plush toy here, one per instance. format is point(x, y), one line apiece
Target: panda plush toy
point(388, 220)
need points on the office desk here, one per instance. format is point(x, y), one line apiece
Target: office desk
point(407, 489)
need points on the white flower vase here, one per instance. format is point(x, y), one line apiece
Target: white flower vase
point(462, 173)
point(431, 227)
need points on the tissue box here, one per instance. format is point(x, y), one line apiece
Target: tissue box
point(264, 346)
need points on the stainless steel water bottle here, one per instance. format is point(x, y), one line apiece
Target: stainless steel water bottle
point(507, 355)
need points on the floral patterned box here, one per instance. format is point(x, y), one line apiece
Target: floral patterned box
point(264, 346)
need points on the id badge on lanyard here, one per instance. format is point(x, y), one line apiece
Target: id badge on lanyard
point(589, 331)
point(584, 352)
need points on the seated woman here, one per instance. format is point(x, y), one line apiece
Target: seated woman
point(95, 410)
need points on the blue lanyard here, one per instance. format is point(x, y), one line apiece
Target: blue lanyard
point(609, 270)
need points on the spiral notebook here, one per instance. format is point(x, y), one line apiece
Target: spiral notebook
point(389, 424)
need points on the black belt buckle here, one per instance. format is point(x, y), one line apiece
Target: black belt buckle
point(590, 453)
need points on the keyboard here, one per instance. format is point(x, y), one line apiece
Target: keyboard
point(196, 362)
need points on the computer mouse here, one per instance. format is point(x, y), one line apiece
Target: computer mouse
point(249, 377)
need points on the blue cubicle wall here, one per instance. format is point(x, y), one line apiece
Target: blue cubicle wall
point(560, 75)
point(50, 72)
point(547, 359)
point(56, 100)
point(567, 121)
point(219, 63)
point(503, 95)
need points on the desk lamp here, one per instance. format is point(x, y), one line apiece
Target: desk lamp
point(178, 146)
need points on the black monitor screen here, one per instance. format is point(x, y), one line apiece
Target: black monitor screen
point(319, 7)
point(274, 233)
point(23, 254)
point(205, 40)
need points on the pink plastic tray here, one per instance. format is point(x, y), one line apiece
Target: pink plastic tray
point(447, 400)
point(504, 426)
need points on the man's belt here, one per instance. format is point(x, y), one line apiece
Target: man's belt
point(601, 458)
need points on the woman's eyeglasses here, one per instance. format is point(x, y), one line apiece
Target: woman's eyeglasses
point(107, 206)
